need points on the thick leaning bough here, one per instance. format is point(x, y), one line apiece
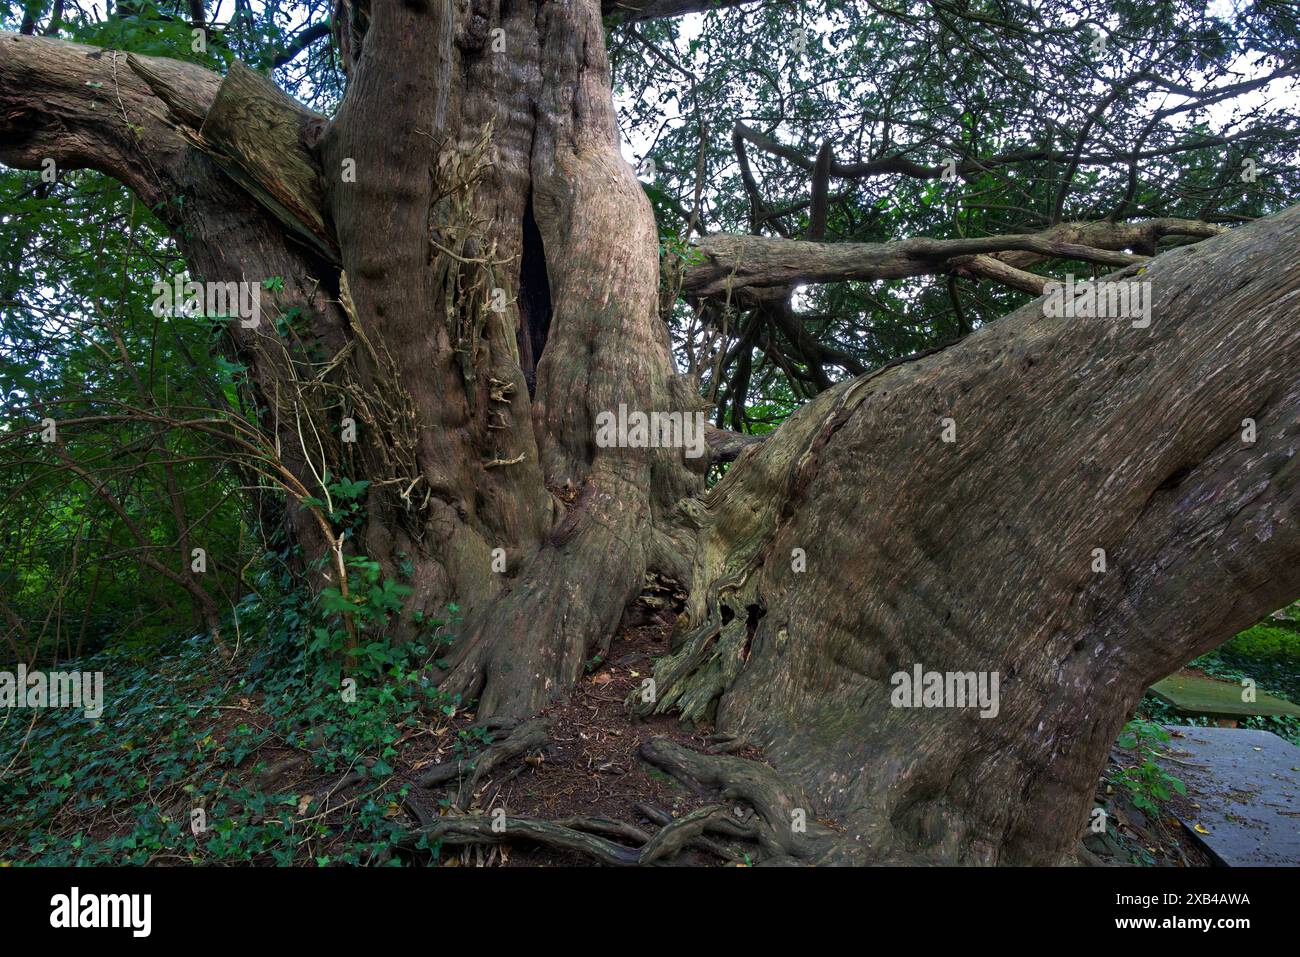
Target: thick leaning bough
point(1146, 461)
point(978, 555)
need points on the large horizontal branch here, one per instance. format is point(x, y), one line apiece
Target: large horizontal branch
point(85, 108)
point(991, 267)
point(1142, 236)
point(738, 262)
point(755, 262)
point(261, 138)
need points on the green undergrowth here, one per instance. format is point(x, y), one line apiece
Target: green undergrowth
point(1269, 653)
point(1145, 781)
point(183, 741)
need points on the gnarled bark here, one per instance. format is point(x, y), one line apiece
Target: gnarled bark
point(977, 555)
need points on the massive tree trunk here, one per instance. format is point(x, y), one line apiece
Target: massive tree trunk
point(559, 223)
point(979, 554)
point(483, 144)
point(473, 163)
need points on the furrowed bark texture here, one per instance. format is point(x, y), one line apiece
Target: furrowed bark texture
point(560, 206)
point(977, 555)
point(479, 285)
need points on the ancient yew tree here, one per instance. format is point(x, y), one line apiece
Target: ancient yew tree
point(459, 265)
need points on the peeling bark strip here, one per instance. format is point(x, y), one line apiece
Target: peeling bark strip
point(977, 555)
point(261, 138)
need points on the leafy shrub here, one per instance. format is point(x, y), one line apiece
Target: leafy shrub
point(178, 732)
point(1146, 782)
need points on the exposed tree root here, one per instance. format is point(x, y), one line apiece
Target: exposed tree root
point(588, 836)
point(595, 837)
point(769, 811)
point(726, 743)
point(661, 817)
point(471, 771)
point(677, 834)
point(783, 822)
point(606, 827)
point(484, 829)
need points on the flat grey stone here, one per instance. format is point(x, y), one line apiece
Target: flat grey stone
point(1247, 785)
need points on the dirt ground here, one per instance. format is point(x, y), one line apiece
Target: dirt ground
point(591, 768)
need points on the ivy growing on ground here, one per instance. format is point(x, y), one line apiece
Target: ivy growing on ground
point(180, 732)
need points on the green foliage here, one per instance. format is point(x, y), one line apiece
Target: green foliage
point(344, 507)
point(1268, 653)
point(179, 733)
point(372, 601)
point(1146, 782)
point(79, 344)
point(876, 81)
point(146, 28)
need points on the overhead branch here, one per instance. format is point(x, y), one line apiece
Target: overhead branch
point(138, 119)
point(990, 267)
point(821, 179)
point(1141, 236)
point(84, 108)
point(758, 211)
point(1094, 117)
point(760, 262)
point(301, 42)
point(736, 262)
point(901, 163)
